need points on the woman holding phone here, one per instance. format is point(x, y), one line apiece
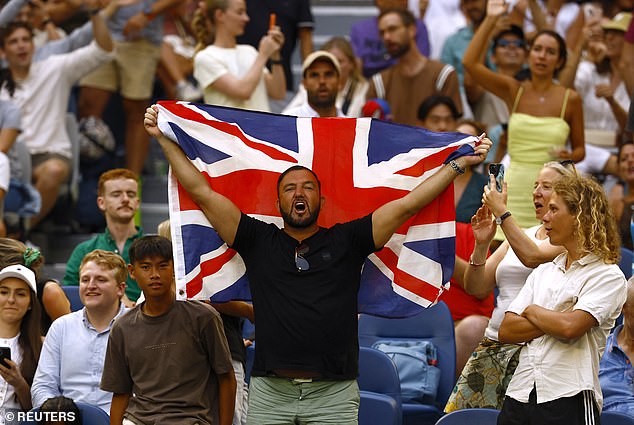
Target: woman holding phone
point(20, 331)
point(544, 114)
point(233, 74)
point(488, 371)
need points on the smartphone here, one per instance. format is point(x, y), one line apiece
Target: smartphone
point(497, 170)
point(5, 353)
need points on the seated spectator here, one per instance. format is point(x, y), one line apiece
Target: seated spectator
point(233, 74)
point(20, 331)
point(352, 85)
point(51, 297)
point(414, 77)
point(118, 199)
point(622, 194)
point(9, 130)
point(488, 371)
point(321, 75)
point(367, 41)
point(61, 372)
point(64, 405)
point(43, 100)
point(184, 340)
point(615, 369)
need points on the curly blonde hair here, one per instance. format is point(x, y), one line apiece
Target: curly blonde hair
point(595, 225)
point(203, 23)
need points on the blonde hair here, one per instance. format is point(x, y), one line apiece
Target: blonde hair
point(345, 47)
point(203, 24)
point(595, 226)
point(566, 169)
point(109, 261)
point(164, 229)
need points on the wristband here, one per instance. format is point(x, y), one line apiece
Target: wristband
point(474, 264)
point(275, 61)
point(454, 165)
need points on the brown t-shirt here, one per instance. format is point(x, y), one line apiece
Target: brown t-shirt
point(406, 93)
point(168, 363)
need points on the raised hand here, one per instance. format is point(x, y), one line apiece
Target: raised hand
point(483, 225)
point(494, 200)
point(150, 122)
point(496, 8)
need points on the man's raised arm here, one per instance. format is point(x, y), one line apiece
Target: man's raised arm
point(389, 217)
point(223, 214)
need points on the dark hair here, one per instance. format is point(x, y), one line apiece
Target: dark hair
point(6, 78)
point(563, 50)
point(434, 100)
point(512, 30)
point(296, 168)
point(62, 404)
point(30, 338)
point(626, 143)
point(477, 125)
point(407, 18)
point(150, 246)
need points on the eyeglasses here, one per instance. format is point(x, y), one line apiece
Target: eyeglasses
point(567, 162)
point(300, 262)
point(507, 43)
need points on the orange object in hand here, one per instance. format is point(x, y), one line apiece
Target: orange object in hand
point(271, 20)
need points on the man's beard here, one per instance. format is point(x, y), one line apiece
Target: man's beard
point(318, 103)
point(302, 223)
point(400, 51)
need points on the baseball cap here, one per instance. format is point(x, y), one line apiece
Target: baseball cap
point(320, 55)
point(619, 23)
point(19, 272)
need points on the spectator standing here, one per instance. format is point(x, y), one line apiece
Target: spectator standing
point(565, 311)
point(544, 115)
point(137, 30)
point(321, 72)
point(414, 77)
point(368, 45)
point(61, 372)
point(118, 199)
point(184, 339)
point(10, 127)
point(233, 74)
point(315, 273)
point(42, 89)
point(622, 194)
point(296, 22)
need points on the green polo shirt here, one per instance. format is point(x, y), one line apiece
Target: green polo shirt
point(102, 241)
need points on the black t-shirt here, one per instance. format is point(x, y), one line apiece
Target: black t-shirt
point(233, 330)
point(290, 16)
point(306, 320)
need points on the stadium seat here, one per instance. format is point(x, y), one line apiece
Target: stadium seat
point(626, 262)
point(72, 293)
point(434, 324)
point(471, 417)
point(616, 418)
point(375, 408)
point(378, 374)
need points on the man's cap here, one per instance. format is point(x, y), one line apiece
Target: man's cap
point(21, 272)
point(320, 55)
point(619, 23)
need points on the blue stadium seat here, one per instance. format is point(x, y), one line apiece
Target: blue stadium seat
point(377, 408)
point(626, 262)
point(72, 293)
point(434, 324)
point(471, 417)
point(616, 418)
point(378, 374)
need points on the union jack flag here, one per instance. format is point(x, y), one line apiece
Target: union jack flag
point(362, 164)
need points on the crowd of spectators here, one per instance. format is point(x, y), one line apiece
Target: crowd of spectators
point(550, 82)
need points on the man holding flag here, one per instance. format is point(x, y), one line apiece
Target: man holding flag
point(304, 281)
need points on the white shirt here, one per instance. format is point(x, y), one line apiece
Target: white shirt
point(306, 111)
point(8, 399)
point(597, 113)
point(564, 368)
point(43, 97)
point(213, 62)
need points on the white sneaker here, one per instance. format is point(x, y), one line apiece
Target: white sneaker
point(188, 92)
